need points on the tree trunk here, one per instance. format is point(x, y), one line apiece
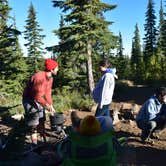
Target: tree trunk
point(89, 67)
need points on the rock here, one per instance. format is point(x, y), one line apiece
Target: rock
point(115, 116)
point(18, 117)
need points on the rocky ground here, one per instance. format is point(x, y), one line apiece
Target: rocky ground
point(124, 109)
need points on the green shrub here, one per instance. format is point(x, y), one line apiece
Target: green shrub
point(10, 104)
point(12, 87)
point(65, 99)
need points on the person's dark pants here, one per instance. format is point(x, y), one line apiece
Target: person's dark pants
point(149, 127)
point(34, 117)
point(103, 111)
point(34, 113)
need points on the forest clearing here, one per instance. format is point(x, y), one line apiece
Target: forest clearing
point(135, 153)
point(53, 57)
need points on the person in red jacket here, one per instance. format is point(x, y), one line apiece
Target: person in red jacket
point(37, 98)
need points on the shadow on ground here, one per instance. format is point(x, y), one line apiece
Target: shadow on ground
point(140, 156)
point(134, 94)
point(136, 153)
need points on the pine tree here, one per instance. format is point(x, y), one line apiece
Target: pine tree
point(150, 39)
point(161, 46)
point(18, 65)
point(84, 28)
point(66, 73)
point(120, 46)
point(34, 39)
point(5, 39)
point(121, 59)
point(11, 63)
point(137, 65)
point(160, 34)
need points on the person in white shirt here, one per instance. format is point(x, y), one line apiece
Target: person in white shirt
point(103, 92)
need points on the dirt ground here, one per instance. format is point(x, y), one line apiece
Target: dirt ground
point(135, 152)
point(125, 107)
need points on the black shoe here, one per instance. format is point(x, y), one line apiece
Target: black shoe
point(145, 135)
point(75, 119)
point(149, 141)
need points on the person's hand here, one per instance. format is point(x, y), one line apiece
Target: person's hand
point(52, 108)
point(48, 107)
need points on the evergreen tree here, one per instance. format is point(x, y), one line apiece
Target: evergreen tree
point(18, 65)
point(161, 46)
point(34, 39)
point(65, 74)
point(120, 46)
point(150, 39)
point(137, 65)
point(84, 28)
point(121, 59)
point(160, 34)
point(11, 63)
point(5, 39)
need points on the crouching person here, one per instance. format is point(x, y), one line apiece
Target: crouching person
point(152, 116)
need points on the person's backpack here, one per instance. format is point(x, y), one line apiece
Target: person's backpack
point(90, 150)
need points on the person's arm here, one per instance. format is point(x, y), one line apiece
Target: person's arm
point(48, 97)
point(48, 92)
point(151, 110)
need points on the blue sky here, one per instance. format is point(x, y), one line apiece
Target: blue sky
point(125, 16)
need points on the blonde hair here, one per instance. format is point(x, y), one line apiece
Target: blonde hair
point(89, 126)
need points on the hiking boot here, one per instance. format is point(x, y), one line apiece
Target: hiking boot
point(149, 141)
point(75, 119)
point(146, 139)
point(143, 138)
point(145, 135)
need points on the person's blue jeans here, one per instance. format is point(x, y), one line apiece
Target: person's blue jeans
point(103, 111)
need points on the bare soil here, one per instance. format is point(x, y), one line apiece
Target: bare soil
point(135, 152)
point(127, 104)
